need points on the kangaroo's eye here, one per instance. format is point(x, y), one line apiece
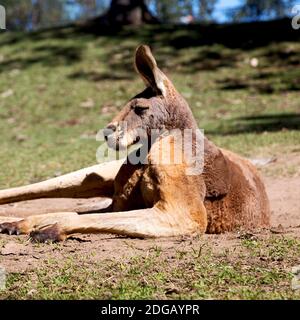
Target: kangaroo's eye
point(140, 110)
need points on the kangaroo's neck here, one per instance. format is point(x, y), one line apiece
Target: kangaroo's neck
point(182, 116)
point(180, 119)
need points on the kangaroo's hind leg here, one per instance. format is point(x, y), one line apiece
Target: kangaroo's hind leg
point(143, 223)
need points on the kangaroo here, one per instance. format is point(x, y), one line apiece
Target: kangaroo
point(151, 199)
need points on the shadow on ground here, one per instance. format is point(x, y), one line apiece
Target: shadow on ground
point(266, 82)
point(260, 123)
point(207, 41)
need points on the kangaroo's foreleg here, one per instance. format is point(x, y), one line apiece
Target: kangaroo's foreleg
point(88, 182)
point(29, 208)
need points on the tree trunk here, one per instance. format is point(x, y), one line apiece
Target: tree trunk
point(120, 12)
point(131, 12)
point(36, 14)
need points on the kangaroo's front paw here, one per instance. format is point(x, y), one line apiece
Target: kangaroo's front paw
point(14, 228)
point(50, 233)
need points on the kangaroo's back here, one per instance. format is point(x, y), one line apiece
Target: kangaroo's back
point(245, 204)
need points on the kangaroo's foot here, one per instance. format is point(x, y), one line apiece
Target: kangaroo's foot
point(46, 233)
point(50, 233)
point(14, 228)
point(33, 223)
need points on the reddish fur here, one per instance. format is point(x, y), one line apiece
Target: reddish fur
point(230, 188)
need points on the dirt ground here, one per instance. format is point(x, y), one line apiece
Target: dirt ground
point(18, 254)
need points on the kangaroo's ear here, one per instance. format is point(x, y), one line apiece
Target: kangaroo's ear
point(146, 66)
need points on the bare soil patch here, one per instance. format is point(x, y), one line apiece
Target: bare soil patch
point(18, 254)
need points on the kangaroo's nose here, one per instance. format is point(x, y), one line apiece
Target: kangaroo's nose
point(111, 128)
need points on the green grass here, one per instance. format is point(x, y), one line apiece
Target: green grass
point(259, 269)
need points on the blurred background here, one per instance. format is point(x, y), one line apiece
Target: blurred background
point(36, 14)
point(66, 68)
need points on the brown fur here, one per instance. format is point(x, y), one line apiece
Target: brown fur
point(152, 199)
point(234, 196)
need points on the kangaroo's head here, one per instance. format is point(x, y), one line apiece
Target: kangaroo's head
point(158, 107)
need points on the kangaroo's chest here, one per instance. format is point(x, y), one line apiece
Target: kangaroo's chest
point(127, 190)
